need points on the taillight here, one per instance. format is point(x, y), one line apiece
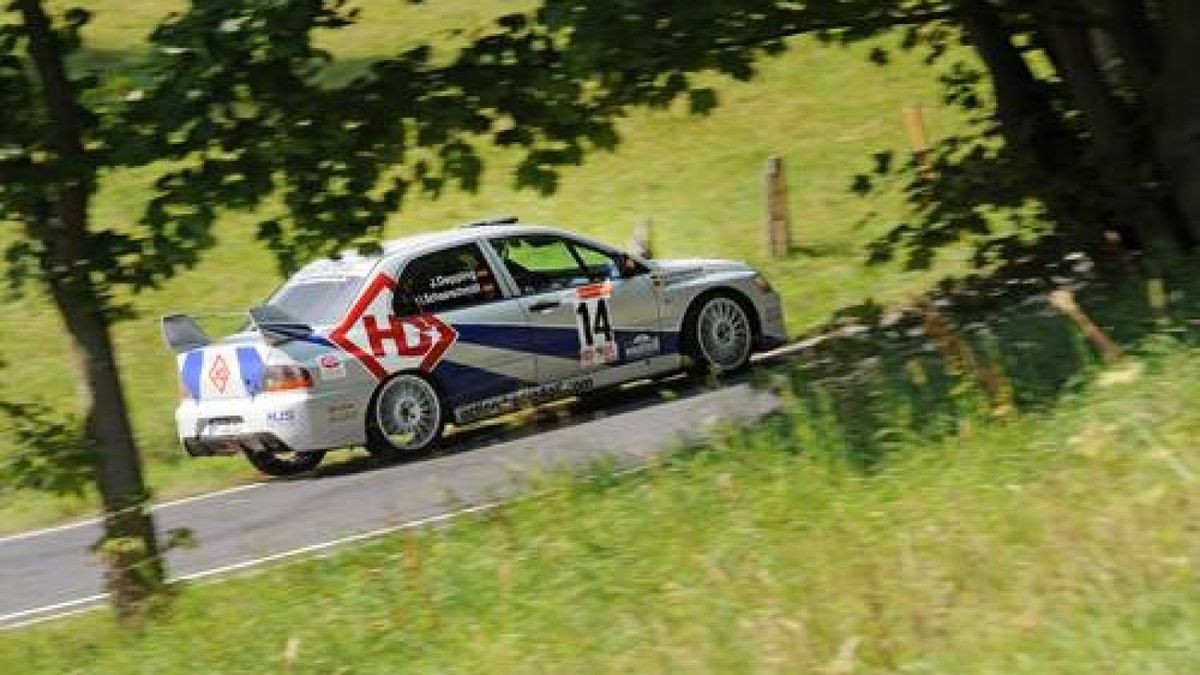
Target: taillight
point(285, 378)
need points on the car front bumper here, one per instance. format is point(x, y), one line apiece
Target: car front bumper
point(773, 328)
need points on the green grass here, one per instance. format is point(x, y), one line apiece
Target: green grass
point(1060, 543)
point(700, 180)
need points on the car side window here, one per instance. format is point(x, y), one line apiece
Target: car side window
point(600, 265)
point(449, 279)
point(541, 263)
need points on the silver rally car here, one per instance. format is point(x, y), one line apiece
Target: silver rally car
point(453, 327)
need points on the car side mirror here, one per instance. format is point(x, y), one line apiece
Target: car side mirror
point(629, 266)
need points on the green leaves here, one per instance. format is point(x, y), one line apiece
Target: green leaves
point(228, 101)
point(53, 454)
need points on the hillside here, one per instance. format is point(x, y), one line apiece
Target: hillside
point(699, 179)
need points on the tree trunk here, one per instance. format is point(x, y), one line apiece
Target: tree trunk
point(129, 547)
point(1028, 122)
point(1128, 22)
point(1121, 162)
point(1176, 107)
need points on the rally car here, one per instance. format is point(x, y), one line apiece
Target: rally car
point(453, 327)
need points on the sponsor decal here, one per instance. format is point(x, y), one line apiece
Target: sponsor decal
point(342, 412)
point(281, 416)
point(643, 346)
point(385, 343)
point(331, 367)
point(593, 320)
point(523, 397)
point(219, 373)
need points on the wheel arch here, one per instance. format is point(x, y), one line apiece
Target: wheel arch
point(693, 308)
point(429, 377)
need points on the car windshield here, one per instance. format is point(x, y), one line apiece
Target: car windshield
point(316, 302)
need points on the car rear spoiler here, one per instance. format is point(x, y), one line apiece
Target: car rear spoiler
point(276, 326)
point(183, 334)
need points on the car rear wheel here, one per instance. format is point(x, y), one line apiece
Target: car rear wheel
point(284, 463)
point(719, 336)
point(405, 419)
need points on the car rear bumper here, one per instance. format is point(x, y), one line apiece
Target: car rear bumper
point(300, 421)
point(233, 444)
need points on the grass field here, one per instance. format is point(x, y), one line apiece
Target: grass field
point(1062, 542)
point(700, 180)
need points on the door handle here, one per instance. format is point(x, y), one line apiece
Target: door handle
point(543, 307)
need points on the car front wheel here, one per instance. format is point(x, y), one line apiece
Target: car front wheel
point(405, 419)
point(718, 334)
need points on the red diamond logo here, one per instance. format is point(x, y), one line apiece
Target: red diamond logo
point(364, 338)
point(219, 373)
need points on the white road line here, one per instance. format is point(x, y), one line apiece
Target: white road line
point(52, 617)
point(335, 543)
point(51, 608)
point(50, 612)
point(30, 534)
point(90, 603)
point(208, 495)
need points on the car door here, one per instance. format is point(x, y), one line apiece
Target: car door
point(585, 313)
point(459, 287)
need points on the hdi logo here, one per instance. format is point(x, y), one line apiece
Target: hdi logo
point(379, 344)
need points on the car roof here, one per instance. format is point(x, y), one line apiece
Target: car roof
point(351, 263)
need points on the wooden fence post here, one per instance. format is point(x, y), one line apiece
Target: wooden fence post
point(918, 139)
point(779, 220)
point(641, 243)
point(1064, 301)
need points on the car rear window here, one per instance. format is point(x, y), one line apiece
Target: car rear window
point(317, 301)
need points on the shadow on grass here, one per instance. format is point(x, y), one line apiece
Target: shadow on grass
point(985, 345)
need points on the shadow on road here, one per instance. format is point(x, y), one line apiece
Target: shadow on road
point(564, 414)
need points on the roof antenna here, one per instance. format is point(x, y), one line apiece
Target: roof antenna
point(489, 222)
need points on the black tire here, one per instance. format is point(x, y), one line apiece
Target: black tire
point(283, 464)
point(386, 437)
point(729, 346)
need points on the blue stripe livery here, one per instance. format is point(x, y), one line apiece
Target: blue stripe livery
point(190, 373)
point(250, 365)
point(461, 383)
point(549, 341)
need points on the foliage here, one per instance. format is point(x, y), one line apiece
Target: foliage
point(54, 455)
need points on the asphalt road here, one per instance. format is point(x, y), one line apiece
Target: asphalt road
point(51, 572)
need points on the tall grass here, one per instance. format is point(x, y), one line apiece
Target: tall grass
point(1058, 542)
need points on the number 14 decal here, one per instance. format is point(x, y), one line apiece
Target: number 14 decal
point(597, 343)
point(592, 331)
